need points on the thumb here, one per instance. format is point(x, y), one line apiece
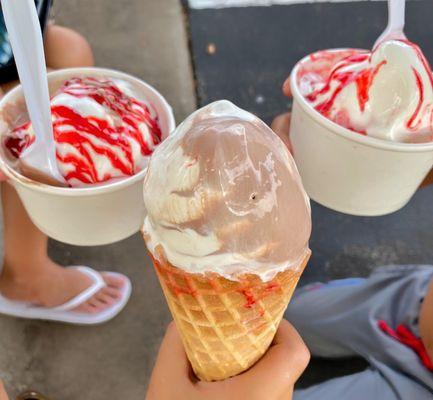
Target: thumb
point(277, 372)
point(171, 367)
point(287, 341)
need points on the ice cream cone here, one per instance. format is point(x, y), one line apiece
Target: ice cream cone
point(227, 226)
point(226, 326)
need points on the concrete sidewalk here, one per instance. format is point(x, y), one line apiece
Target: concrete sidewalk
point(148, 39)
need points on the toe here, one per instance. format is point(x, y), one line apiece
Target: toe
point(106, 296)
point(87, 308)
point(105, 299)
point(114, 293)
point(113, 280)
point(97, 304)
point(94, 305)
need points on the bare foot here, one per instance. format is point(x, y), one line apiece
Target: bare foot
point(281, 126)
point(57, 285)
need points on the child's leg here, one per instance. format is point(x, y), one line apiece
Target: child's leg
point(312, 311)
point(78, 51)
point(64, 48)
point(376, 383)
point(376, 319)
point(28, 274)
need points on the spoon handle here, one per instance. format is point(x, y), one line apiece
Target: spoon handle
point(396, 18)
point(396, 15)
point(28, 48)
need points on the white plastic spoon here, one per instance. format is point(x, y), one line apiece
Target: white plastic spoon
point(25, 36)
point(396, 19)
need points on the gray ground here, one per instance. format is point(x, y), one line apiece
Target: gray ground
point(146, 38)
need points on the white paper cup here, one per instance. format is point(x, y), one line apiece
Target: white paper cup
point(350, 172)
point(92, 215)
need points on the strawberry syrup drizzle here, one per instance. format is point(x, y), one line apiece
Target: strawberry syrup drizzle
point(252, 297)
point(363, 80)
point(253, 294)
point(16, 144)
point(171, 281)
point(421, 56)
point(80, 132)
point(249, 297)
point(420, 87)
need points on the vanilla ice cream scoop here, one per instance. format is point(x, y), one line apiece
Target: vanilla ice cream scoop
point(386, 93)
point(223, 195)
point(102, 131)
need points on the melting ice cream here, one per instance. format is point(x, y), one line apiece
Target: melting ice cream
point(102, 131)
point(223, 195)
point(386, 93)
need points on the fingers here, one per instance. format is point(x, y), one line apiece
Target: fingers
point(428, 180)
point(275, 375)
point(287, 357)
point(287, 90)
point(289, 339)
point(172, 350)
point(281, 126)
point(171, 368)
point(3, 394)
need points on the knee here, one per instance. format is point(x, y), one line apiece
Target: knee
point(66, 48)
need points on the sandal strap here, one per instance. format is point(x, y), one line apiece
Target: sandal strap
point(98, 284)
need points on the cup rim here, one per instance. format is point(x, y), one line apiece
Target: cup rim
point(92, 190)
point(345, 132)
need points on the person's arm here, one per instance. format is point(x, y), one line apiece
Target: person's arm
point(272, 378)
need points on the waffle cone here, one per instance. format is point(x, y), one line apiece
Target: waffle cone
point(226, 326)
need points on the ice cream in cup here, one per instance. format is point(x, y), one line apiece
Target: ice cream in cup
point(362, 126)
point(106, 125)
point(228, 226)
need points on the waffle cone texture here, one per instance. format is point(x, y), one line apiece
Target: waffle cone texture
point(226, 326)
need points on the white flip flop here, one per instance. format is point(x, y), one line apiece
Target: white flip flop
point(64, 313)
